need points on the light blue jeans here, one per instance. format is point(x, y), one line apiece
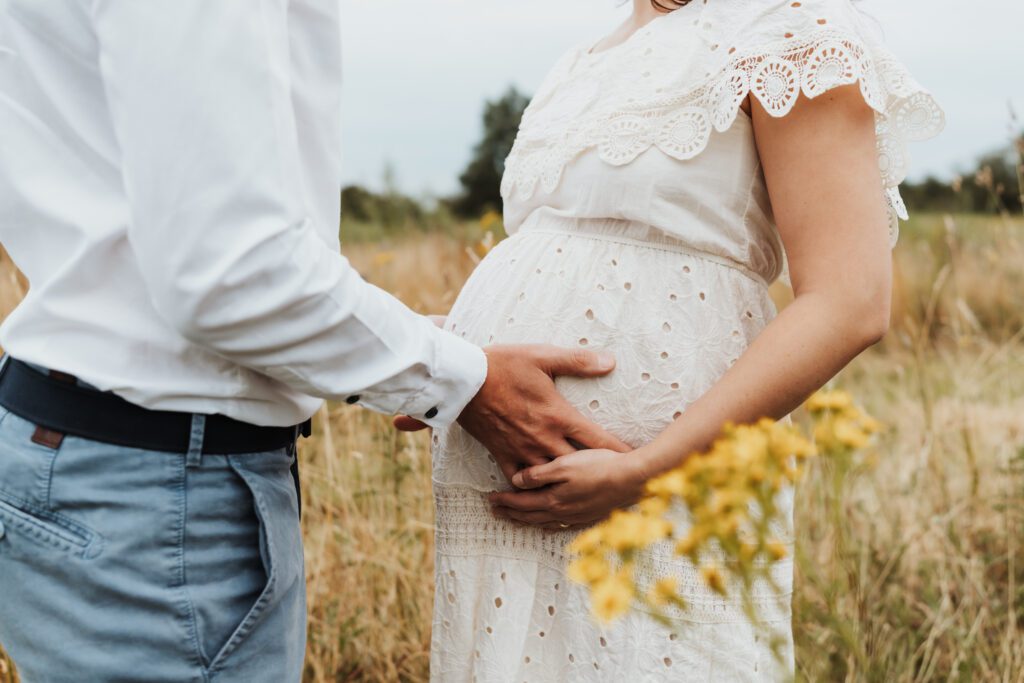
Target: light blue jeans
point(119, 564)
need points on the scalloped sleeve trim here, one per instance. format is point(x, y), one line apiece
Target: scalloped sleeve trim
point(777, 74)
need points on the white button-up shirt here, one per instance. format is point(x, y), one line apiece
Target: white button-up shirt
point(169, 184)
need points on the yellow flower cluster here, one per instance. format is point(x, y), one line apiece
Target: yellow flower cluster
point(490, 220)
point(479, 250)
point(730, 494)
point(841, 424)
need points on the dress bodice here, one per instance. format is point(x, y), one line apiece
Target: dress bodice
point(652, 130)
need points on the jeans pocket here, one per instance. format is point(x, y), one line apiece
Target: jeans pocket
point(30, 521)
point(269, 481)
point(45, 529)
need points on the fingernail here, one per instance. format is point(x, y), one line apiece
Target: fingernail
point(605, 361)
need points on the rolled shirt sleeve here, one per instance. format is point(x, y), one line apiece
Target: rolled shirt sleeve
point(225, 231)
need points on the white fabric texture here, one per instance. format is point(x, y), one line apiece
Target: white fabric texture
point(169, 184)
point(675, 84)
point(641, 225)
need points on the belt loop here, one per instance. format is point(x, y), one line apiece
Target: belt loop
point(195, 443)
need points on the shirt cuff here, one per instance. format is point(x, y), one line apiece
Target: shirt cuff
point(459, 371)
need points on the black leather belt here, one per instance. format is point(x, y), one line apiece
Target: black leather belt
point(59, 406)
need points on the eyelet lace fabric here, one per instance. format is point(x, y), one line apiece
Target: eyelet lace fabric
point(676, 320)
point(686, 75)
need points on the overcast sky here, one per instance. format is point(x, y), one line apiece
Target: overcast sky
point(418, 72)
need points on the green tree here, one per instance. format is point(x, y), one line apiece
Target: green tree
point(481, 181)
point(994, 184)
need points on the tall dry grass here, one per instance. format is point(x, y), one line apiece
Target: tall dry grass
point(910, 569)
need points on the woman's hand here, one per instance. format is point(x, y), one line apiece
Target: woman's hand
point(574, 490)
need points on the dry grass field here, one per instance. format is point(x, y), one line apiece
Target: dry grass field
point(916, 574)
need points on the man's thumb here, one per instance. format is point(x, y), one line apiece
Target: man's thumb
point(404, 423)
point(579, 362)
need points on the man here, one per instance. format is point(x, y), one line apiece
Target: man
point(169, 177)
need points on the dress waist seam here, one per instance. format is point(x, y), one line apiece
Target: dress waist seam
point(644, 244)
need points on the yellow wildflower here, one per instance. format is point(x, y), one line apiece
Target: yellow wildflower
point(632, 530)
point(825, 434)
point(588, 541)
point(747, 551)
point(776, 550)
point(689, 544)
point(849, 433)
point(589, 569)
point(750, 446)
point(785, 442)
point(829, 400)
point(713, 578)
point(653, 507)
point(490, 219)
point(612, 596)
point(727, 525)
point(870, 424)
point(672, 483)
point(724, 502)
point(665, 590)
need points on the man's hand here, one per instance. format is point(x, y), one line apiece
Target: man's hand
point(574, 490)
point(519, 416)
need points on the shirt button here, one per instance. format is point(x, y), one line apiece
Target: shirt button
point(352, 399)
point(432, 413)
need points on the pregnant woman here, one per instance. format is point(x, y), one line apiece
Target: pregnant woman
point(659, 177)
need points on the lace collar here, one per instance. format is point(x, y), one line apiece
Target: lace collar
point(684, 76)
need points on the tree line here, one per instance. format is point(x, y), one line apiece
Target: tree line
point(994, 183)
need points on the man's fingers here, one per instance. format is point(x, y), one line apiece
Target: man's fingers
point(533, 518)
point(556, 450)
point(405, 423)
point(593, 436)
point(508, 469)
point(538, 476)
point(557, 361)
point(523, 501)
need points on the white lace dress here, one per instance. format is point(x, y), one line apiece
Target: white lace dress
point(641, 224)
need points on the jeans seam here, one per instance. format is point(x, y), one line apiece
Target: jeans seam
point(180, 580)
point(48, 474)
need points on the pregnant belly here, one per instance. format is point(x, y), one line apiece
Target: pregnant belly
point(674, 321)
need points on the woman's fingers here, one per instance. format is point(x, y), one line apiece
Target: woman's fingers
point(539, 476)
